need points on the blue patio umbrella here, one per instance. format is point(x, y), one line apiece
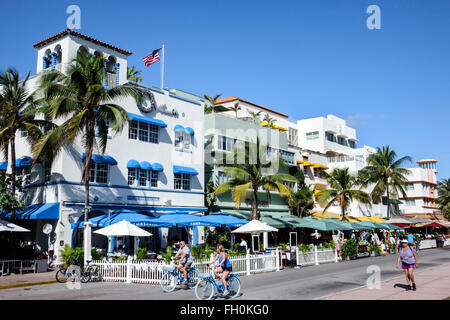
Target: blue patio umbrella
point(133, 217)
point(184, 219)
point(225, 219)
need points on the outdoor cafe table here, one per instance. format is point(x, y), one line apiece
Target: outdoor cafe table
point(13, 265)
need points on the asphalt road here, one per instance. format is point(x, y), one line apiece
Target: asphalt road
point(313, 282)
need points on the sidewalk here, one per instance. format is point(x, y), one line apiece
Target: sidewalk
point(432, 284)
point(28, 279)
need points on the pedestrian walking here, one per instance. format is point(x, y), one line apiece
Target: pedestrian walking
point(408, 257)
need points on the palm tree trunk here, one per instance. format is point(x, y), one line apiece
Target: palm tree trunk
point(254, 215)
point(87, 171)
point(13, 171)
point(388, 202)
point(342, 207)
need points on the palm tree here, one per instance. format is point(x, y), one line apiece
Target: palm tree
point(302, 200)
point(270, 121)
point(213, 102)
point(134, 75)
point(385, 171)
point(235, 109)
point(255, 115)
point(18, 108)
point(80, 99)
point(443, 200)
point(344, 188)
point(249, 177)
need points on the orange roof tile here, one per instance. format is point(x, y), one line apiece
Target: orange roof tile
point(81, 36)
point(256, 105)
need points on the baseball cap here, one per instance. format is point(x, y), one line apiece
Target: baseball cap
point(404, 241)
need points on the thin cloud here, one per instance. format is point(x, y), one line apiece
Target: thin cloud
point(358, 120)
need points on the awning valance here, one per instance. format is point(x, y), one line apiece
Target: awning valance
point(178, 128)
point(133, 164)
point(23, 162)
point(321, 166)
point(156, 122)
point(304, 163)
point(37, 211)
point(157, 167)
point(189, 130)
point(144, 165)
point(98, 158)
point(187, 170)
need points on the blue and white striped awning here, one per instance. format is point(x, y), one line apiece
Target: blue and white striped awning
point(98, 158)
point(156, 122)
point(187, 170)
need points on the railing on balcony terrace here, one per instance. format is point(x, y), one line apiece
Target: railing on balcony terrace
point(111, 79)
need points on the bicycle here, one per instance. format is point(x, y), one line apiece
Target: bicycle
point(90, 273)
point(207, 286)
point(65, 271)
point(171, 278)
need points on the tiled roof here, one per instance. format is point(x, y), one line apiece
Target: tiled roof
point(81, 36)
point(236, 98)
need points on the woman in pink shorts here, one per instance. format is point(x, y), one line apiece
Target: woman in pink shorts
point(407, 255)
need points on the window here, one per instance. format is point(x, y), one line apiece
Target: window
point(316, 172)
point(132, 174)
point(341, 141)
point(182, 140)
point(143, 177)
point(329, 136)
point(179, 139)
point(290, 184)
point(143, 131)
point(410, 202)
point(226, 144)
point(47, 171)
point(154, 175)
point(410, 186)
point(24, 173)
point(352, 144)
point(182, 181)
point(305, 171)
point(312, 135)
point(287, 156)
point(98, 173)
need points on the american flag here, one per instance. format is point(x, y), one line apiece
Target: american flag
point(151, 58)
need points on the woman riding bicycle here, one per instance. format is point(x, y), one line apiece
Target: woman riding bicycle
point(224, 266)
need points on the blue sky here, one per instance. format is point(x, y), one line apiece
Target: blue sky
point(303, 58)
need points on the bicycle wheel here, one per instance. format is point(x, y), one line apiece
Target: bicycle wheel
point(168, 282)
point(192, 278)
point(234, 286)
point(62, 276)
point(85, 276)
point(204, 290)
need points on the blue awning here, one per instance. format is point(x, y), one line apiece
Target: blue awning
point(157, 167)
point(189, 130)
point(97, 158)
point(37, 211)
point(133, 164)
point(225, 219)
point(178, 128)
point(133, 217)
point(4, 165)
point(146, 165)
point(184, 219)
point(156, 122)
point(187, 170)
point(22, 162)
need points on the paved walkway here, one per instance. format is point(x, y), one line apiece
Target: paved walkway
point(26, 279)
point(432, 284)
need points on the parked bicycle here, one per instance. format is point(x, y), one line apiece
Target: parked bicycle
point(90, 273)
point(207, 286)
point(171, 278)
point(68, 270)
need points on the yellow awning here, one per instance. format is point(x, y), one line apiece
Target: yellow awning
point(374, 219)
point(304, 163)
point(319, 185)
point(318, 165)
point(274, 126)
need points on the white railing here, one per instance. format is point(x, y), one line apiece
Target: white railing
point(111, 80)
point(427, 244)
point(141, 271)
point(316, 256)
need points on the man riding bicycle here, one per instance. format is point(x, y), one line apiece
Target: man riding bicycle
point(184, 255)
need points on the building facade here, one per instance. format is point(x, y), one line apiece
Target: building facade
point(154, 166)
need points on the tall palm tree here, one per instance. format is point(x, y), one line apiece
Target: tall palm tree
point(343, 189)
point(214, 106)
point(255, 115)
point(235, 108)
point(248, 177)
point(18, 108)
point(270, 121)
point(443, 200)
point(301, 200)
point(386, 172)
point(134, 75)
point(86, 106)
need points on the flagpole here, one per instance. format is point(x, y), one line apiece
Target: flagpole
point(162, 68)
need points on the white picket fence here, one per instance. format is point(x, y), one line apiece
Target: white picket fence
point(141, 271)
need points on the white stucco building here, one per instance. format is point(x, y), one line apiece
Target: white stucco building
point(154, 166)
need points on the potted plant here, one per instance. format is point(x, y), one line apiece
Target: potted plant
point(350, 249)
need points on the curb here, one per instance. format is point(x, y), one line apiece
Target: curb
point(26, 284)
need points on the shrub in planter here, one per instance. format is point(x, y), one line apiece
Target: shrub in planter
point(141, 253)
point(304, 248)
point(350, 248)
point(284, 246)
point(167, 255)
